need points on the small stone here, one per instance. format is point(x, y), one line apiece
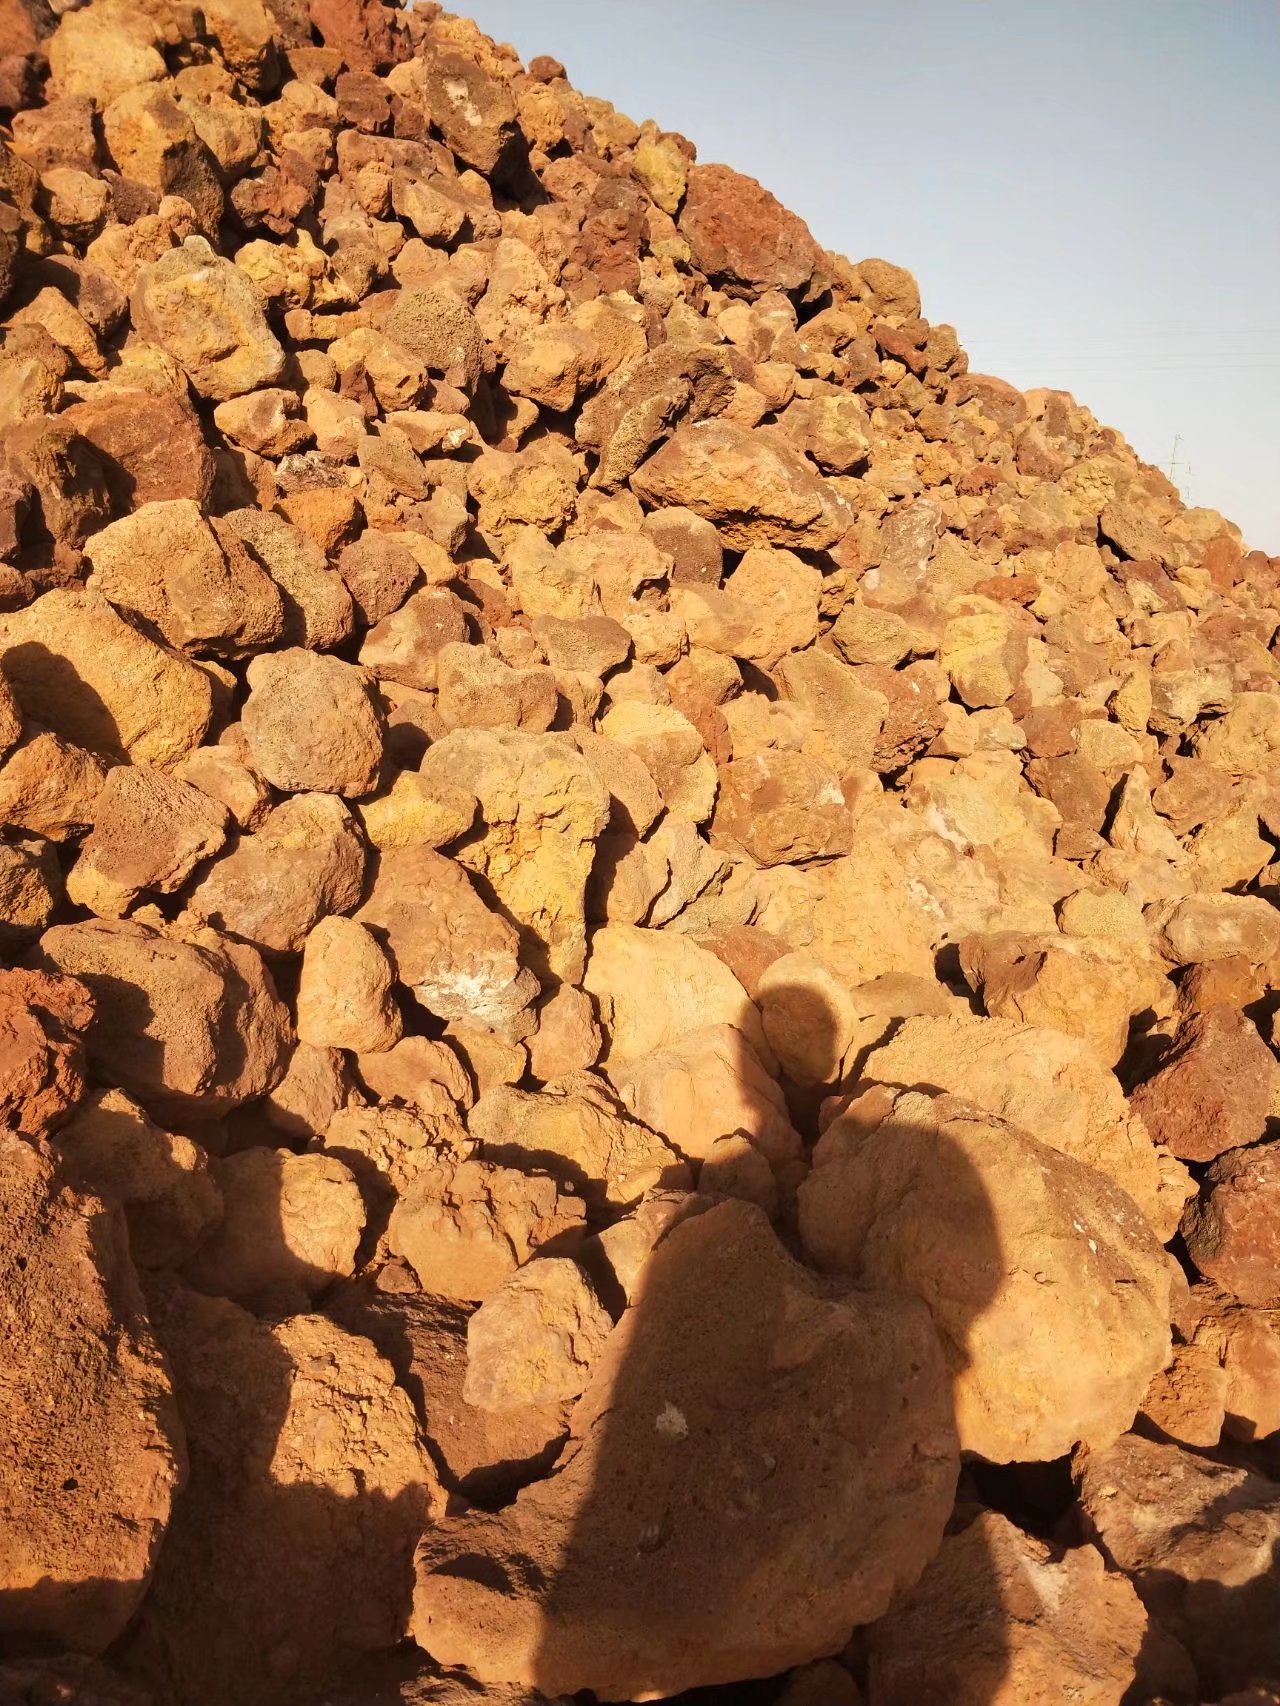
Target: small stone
point(204, 311)
point(42, 1057)
point(150, 832)
point(1214, 1088)
point(311, 724)
point(534, 1339)
point(345, 990)
point(781, 808)
point(1232, 1230)
point(457, 958)
point(541, 811)
point(653, 987)
point(755, 489)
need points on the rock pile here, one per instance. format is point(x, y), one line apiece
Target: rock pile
point(641, 929)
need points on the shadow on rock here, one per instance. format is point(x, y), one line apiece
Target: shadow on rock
point(763, 1458)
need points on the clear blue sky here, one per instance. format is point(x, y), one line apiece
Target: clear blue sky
point(1089, 190)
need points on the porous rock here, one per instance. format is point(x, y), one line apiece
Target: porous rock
point(601, 1617)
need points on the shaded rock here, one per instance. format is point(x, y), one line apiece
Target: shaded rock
point(79, 669)
point(193, 1026)
point(484, 1454)
point(1197, 1539)
point(290, 1226)
point(1051, 1292)
point(42, 1076)
point(999, 1619)
point(94, 1451)
point(575, 1132)
point(309, 1488)
point(1232, 1229)
point(691, 1347)
point(171, 1203)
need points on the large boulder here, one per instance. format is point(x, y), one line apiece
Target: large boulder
point(93, 1454)
point(1050, 1085)
point(610, 1576)
point(1050, 1290)
point(291, 1550)
point(740, 234)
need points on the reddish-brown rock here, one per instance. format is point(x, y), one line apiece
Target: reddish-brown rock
point(93, 1446)
point(1213, 1089)
point(741, 234)
point(42, 1023)
point(1232, 1229)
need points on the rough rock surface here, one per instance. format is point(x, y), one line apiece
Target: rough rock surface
point(194, 1025)
point(647, 1425)
point(1081, 1626)
point(1050, 1290)
point(1198, 1541)
point(292, 1546)
point(557, 741)
point(93, 1453)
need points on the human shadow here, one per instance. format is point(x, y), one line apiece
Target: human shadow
point(761, 1470)
point(764, 1460)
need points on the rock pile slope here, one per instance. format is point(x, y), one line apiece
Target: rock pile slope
point(640, 924)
